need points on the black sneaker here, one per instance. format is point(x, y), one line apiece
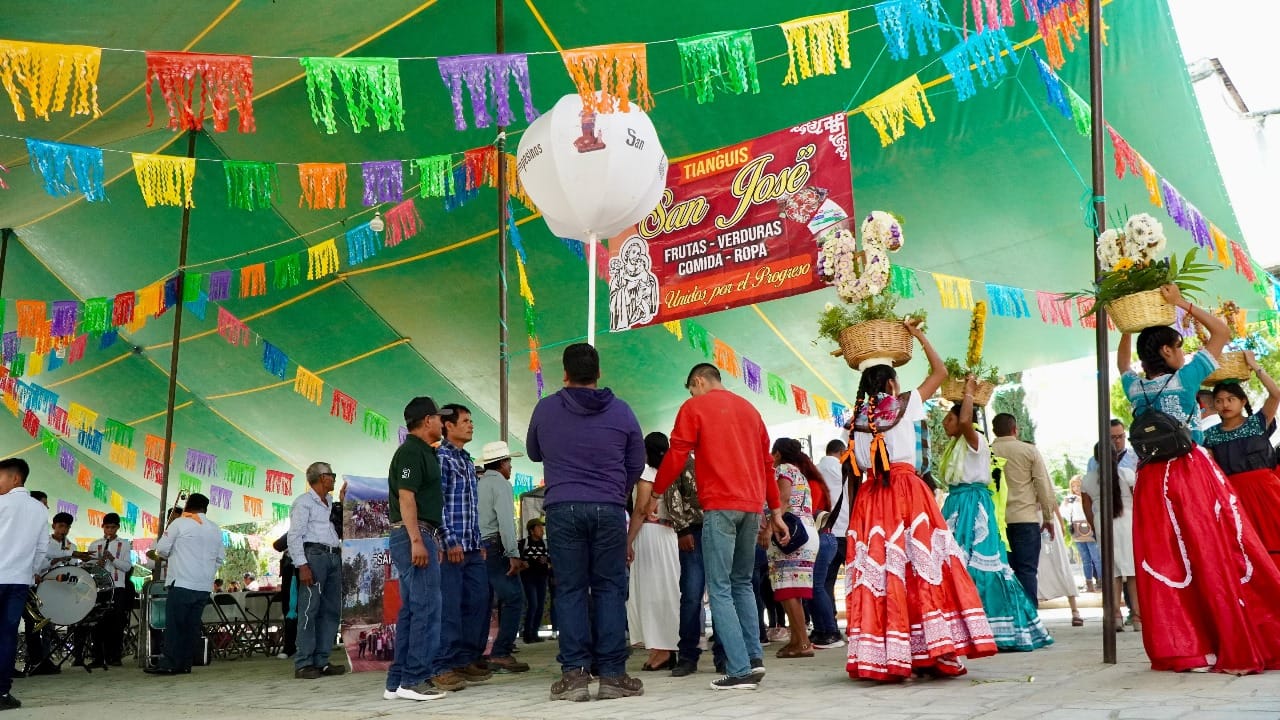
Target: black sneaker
point(684, 669)
point(757, 666)
point(9, 702)
point(746, 682)
point(331, 670)
point(826, 642)
point(574, 686)
point(310, 672)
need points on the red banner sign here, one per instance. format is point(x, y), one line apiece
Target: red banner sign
point(735, 226)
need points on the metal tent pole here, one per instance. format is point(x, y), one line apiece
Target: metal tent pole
point(5, 234)
point(173, 353)
point(1105, 470)
point(504, 356)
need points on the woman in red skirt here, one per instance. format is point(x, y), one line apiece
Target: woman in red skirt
point(1205, 584)
point(911, 605)
point(1242, 446)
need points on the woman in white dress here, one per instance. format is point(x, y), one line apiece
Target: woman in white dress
point(653, 605)
point(1053, 577)
point(1122, 522)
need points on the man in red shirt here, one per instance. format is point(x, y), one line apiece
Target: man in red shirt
point(735, 479)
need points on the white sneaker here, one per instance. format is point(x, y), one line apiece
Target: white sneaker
point(422, 691)
point(389, 695)
point(282, 656)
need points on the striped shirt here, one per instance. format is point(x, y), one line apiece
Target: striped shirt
point(461, 498)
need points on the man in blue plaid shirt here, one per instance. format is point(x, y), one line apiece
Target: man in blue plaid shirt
point(464, 579)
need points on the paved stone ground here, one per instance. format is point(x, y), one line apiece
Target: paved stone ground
point(1064, 682)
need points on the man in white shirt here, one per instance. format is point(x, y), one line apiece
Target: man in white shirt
point(193, 546)
point(502, 554)
point(317, 553)
point(115, 554)
point(22, 550)
point(831, 552)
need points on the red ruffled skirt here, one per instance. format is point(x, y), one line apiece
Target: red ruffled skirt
point(1259, 494)
point(911, 604)
point(1207, 589)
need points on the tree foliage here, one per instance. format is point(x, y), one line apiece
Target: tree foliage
point(1013, 400)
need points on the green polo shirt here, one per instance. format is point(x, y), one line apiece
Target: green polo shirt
point(416, 467)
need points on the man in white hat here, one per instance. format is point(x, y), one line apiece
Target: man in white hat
point(498, 532)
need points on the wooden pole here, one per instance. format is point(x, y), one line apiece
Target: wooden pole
point(504, 354)
point(1105, 470)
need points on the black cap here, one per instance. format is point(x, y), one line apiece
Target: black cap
point(529, 526)
point(111, 519)
point(63, 517)
point(419, 408)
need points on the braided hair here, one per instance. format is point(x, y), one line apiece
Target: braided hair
point(874, 383)
point(1150, 342)
point(792, 453)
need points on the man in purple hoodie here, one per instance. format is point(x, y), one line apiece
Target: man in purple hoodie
point(592, 452)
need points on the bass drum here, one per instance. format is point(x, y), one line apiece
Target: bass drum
point(74, 593)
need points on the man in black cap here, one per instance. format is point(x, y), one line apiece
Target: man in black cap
point(115, 554)
point(416, 508)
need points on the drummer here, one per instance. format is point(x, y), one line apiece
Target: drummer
point(116, 556)
point(60, 548)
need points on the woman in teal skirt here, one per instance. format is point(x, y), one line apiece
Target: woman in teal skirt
point(971, 514)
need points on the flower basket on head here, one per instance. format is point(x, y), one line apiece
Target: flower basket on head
point(1231, 366)
point(875, 340)
point(867, 327)
point(988, 377)
point(953, 390)
point(1133, 273)
point(1141, 310)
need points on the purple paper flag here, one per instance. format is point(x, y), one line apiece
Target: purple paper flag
point(1174, 204)
point(383, 182)
point(404, 434)
point(11, 345)
point(201, 463)
point(68, 508)
point(498, 71)
point(67, 461)
point(219, 285)
point(220, 497)
point(1199, 228)
point(65, 315)
point(751, 375)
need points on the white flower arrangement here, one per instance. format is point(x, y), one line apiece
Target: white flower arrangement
point(859, 275)
point(1140, 242)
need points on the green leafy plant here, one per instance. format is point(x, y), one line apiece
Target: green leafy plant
point(1128, 277)
point(835, 317)
point(982, 371)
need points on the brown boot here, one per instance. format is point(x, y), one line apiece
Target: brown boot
point(475, 672)
point(449, 680)
point(574, 686)
point(619, 686)
point(507, 664)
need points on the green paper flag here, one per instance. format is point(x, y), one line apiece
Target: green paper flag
point(1080, 112)
point(189, 484)
point(698, 338)
point(18, 367)
point(117, 433)
point(101, 491)
point(251, 184)
point(49, 441)
point(95, 318)
point(192, 286)
point(239, 473)
point(286, 272)
point(368, 84)
point(724, 60)
point(280, 511)
point(902, 281)
point(435, 175)
point(777, 389)
point(375, 425)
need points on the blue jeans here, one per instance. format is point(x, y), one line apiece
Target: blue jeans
point(588, 546)
point(183, 608)
point(693, 582)
point(13, 598)
point(418, 623)
point(729, 553)
point(1024, 555)
point(319, 609)
point(823, 605)
point(464, 616)
point(535, 603)
point(1091, 558)
point(510, 595)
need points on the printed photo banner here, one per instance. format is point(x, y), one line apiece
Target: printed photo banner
point(735, 226)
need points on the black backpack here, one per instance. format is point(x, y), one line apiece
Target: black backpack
point(1158, 436)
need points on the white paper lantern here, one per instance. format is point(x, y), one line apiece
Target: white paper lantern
point(591, 176)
